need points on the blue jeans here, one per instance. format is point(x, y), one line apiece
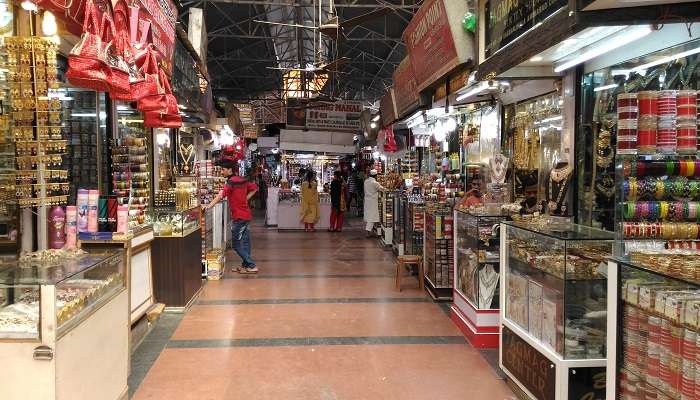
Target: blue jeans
point(241, 242)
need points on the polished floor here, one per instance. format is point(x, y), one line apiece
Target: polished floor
point(321, 320)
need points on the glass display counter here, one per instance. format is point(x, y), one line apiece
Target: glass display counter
point(64, 320)
point(654, 314)
point(170, 222)
point(477, 255)
point(289, 211)
point(554, 302)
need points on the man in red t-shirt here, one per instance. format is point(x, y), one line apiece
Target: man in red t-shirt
point(238, 191)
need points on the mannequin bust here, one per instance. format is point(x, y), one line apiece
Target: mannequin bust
point(558, 187)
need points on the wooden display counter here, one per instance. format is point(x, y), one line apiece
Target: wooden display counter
point(177, 268)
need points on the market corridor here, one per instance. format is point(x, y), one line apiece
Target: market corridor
point(321, 321)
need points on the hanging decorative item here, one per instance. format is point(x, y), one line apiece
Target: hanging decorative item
point(469, 22)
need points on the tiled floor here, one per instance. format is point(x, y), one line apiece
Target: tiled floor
point(320, 321)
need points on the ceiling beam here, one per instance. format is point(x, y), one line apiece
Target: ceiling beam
point(290, 3)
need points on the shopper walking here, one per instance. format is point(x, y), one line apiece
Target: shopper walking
point(310, 208)
point(337, 203)
point(371, 203)
point(238, 191)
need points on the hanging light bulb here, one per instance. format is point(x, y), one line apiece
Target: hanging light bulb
point(29, 5)
point(48, 23)
point(440, 131)
point(451, 124)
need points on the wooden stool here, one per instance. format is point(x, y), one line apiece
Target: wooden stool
point(403, 261)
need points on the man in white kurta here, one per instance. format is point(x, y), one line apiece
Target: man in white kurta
point(371, 209)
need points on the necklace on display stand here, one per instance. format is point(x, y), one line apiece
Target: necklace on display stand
point(488, 280)
point(186, 153)
point(559, 176)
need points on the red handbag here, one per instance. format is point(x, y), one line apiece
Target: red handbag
point(390, 145)
point(86, 63)
point(158, 101)
point(148, 67)
point(118, 69)
point(169, 116)
point(124, 51)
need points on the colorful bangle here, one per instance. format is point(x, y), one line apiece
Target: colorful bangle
point(655, 211)
point(632, 189)
point(664, 210)
point(660, 189)
point(693, 189)
point(669, 168)
point(690, 168)
point(640, 169)
point(682, 166)
point(629, 210)
point(697, 168)
point(692, 211)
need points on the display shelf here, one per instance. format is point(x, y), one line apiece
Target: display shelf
point(387, 199)
point(399, 234)
point(476, 273)
point(438, 254)
point(415, 227)
point(553, 291)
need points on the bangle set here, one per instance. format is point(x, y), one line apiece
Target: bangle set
point(650, 188)
point(661, 211)
point(661, 230)
point(658, 168)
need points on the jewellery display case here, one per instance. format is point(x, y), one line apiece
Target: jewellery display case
point(171, 222)
point(399, 234)
point(654, 315)
point(438, 252)
point(554, 303)
point(387, 199)
point(64, 326)
point(476, 270)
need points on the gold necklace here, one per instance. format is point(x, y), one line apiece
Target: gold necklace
point(605, 153)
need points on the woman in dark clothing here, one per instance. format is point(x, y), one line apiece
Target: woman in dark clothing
point(337, 203)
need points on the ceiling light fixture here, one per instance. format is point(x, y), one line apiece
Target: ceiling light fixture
point(473, 91)
point(610, 43)
point(373, 125)
point(666, 60)
point(536, 59)
point(606, 87)
point(376, 117)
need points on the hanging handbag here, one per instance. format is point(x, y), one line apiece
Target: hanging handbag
point(390, 145)
point(169, 116)
point(148, 68)
point(125, 53)
point(86, 64)
point(118, 70)
point(157, 101)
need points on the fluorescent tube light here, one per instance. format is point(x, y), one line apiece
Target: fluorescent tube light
point(376, 118)
point(606, 45)
point(606, 87)
point(473, 91)
point(666, 60)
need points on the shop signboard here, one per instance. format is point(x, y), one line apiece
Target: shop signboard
point(387, 108)
point(529, 367)
point(436, 42)
point(508, 19)
point(405, 88)
point(340, 116)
